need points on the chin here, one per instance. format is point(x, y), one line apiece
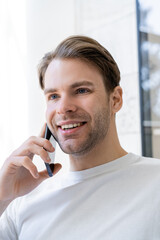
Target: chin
point(77, 151)
point(70, 149)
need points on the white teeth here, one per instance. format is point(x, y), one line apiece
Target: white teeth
point(69, 126)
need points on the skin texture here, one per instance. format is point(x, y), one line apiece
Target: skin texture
point(75, 93)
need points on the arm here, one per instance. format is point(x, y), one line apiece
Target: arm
point(19, 175)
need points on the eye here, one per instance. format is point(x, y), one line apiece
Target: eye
point(53, 96)
point(82, 90)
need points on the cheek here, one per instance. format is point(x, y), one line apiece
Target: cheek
point(49, 113)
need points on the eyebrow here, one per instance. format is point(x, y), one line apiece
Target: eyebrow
point(74, 85)
point(49, 90)
point(82, 83)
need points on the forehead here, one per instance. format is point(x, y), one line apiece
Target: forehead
point(63, 72)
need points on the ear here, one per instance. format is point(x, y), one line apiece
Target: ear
point(116, 99)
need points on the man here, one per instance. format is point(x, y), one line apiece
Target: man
point(108, 193)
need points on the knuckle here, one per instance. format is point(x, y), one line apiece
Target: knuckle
point(41, 152)
point(31, 139)
point(46, 146)
point(28, 163)
point(46, 142)
point(33, 167)
point(26, 159)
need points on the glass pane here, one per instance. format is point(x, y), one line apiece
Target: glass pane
point(149, 36)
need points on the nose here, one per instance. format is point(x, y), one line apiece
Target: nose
point(66, 105)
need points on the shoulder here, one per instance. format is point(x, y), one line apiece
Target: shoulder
point(147, 161)
point(146, 167)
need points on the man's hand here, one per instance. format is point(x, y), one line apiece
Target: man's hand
point(19, 175)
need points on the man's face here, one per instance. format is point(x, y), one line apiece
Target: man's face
point(78, 112)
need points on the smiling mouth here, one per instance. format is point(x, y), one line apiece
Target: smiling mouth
point(71, 126)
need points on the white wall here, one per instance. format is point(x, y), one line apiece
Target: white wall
point(13, 84)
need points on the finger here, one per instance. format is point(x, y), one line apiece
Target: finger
point(40, 151)
point(52, 166)
point(37, 150)
point(29, 147)
point(44, 174)
point(26, 163)
point(46, 144)
point(57, 167)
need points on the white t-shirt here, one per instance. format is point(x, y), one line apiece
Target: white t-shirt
point(119, 200)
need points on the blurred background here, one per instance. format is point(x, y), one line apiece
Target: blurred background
point(129, 29)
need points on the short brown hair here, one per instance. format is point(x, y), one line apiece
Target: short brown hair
point(86, 49)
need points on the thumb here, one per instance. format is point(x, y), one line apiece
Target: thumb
point(44, 174)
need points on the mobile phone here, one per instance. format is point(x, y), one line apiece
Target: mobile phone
point(48, 135)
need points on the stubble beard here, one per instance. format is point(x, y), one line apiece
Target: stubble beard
point(95, 136)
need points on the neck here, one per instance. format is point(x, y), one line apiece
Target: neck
point(106, 151)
